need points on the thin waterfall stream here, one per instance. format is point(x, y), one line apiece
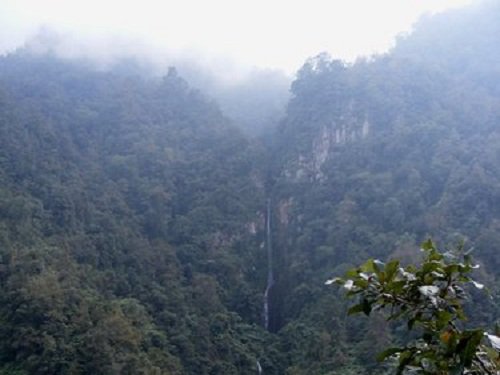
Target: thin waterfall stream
point(259, 368)
point(270, 271)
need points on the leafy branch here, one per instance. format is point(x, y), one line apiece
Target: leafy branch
point(430, 298)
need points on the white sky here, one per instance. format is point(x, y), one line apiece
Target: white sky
point(265, 33)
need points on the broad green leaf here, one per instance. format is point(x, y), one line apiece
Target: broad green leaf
point(378, 265)
point(443, 319)
point(470, 350)
point(387, 353)
point(351, 273)
point(361, 283)
point(404, 360)
point(427, 245)
point(356, 309)
point(367, 307)
point(390, 270)
point(368, 266)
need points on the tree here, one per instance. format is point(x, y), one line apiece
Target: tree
point(430, 298)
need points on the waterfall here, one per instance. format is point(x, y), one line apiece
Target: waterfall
point(259, 368)
point(270, 272)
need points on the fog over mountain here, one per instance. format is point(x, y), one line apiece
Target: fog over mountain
point(226, 49)
point(268, 34)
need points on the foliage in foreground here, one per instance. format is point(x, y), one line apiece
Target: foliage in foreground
point(430, 298)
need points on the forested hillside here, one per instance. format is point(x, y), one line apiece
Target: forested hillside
point(130, 229)
point(142, 232)
point(376, 156)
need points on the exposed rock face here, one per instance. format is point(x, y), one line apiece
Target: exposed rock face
point(253, 227)
point(284, 211)
point(310, 166)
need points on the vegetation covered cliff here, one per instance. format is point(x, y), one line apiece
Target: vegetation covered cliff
point(135, 235)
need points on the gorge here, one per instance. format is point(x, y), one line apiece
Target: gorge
point(145, 230)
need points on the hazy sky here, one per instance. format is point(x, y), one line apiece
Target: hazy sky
point(265, 33)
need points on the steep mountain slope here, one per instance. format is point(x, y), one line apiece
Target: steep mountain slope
point(130, 229)
point(373, 158)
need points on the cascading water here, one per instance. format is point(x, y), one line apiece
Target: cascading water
point(259, 368)
point(270, 271)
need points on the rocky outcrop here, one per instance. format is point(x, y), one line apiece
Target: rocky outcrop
point(338, 133)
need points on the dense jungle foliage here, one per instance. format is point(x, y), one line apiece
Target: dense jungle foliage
point(133, 210)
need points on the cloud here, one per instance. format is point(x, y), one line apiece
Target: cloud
point(265, 33)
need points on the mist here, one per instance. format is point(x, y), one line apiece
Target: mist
point(254, 98)
point(242, 55)
point(275, 35)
